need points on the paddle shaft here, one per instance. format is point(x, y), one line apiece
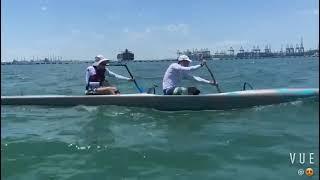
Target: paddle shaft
point(135, 82)
point(212, 76)
point(214, 79)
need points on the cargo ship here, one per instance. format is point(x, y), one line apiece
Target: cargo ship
point(126, 55)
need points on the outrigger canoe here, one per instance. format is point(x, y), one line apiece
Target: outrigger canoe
point(219, 101)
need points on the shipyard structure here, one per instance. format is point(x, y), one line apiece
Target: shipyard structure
point(196, 54)
point(255, 52)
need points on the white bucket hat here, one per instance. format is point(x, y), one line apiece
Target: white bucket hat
point(99, 59)
point(184, 58)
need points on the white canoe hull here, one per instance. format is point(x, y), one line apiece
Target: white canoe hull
point(222, 101)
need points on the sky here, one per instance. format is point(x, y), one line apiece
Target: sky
point(81, 29)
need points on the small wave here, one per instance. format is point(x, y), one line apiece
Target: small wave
point(281, 105)
point(68, 132)
point(53, 84)
point(297, 80)
point(292, 103)
point(78, 147)
point(86, 108)
point(262, 108)
point(296, 103)
point(73, 78)
point(66, 91)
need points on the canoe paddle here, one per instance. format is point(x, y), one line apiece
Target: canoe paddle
point(212, 76)
point(214, 80)
point(135, 82)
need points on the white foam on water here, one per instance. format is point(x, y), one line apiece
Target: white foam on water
point(86, 108)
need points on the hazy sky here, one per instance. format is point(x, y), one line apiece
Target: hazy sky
point(81, 29)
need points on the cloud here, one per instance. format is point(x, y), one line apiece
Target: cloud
point(111, 17)
point(179, 28)
point(137, 35)
point(152, 32)
point(98, 36)
point(148, 30)
point(309, 12)
point(75, 31)
point(171, 28)
point(125, 30)
point(44, 5)
point(43, 8)
point(231, 43)
point(223, 45)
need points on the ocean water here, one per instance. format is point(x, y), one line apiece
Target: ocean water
point(110, 142)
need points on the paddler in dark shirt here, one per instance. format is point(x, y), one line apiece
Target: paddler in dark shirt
point(96, 83)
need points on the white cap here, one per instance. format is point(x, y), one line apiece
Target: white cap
point(99, 59)
point(184, 58)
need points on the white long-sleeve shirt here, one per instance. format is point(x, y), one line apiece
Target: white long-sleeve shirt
point(91, 71)
point(175, 73)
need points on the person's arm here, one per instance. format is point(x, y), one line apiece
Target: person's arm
point(112, 74)
point(87, 76)
point(190, 68)
point(198, 79)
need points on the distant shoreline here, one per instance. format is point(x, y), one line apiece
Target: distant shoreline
point(162, 60)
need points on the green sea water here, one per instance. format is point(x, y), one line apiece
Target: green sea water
point(110, 142)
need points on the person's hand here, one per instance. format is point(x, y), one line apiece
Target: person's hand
point(214, 83)
point(132, 79)
point(203, 63)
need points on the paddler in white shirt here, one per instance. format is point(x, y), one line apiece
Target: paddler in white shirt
point(176, 72)
point(96, 82)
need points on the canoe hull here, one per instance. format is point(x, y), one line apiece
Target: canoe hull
point(222, 101)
